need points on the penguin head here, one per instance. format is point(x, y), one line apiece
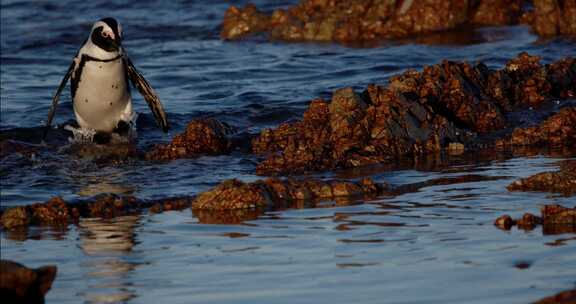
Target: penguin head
point(107, 34)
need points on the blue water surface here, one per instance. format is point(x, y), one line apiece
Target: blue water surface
point(436, 244)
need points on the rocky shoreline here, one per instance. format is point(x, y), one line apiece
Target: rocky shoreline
point(445, 108)
point(450, 108)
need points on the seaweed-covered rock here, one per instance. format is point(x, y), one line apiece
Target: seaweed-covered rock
point(349, 20)
point(551, 17)
point(58, 212)
point(368, 20)
point(202, 136)
point(20, 284)
point(446, 105)
point(238, 22)
point(563, 181)
point(497, 12)
point(272, 192)
point(556, 214)
point(558, 130)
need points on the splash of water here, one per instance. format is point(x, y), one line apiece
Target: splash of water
point(86, 135)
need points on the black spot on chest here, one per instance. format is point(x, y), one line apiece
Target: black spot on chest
point(77, 75)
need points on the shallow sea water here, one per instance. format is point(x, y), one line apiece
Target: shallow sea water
point(433, 244)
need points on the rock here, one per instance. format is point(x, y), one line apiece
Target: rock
point(455, 148)
point(558, 130)
point(528, 221)
point(238, 22)
point(556, 214)
point(57, 212)
point(564, 297)
point(15, 217)
point(553, 18)
point(563, 181)
point(504, 222)
point(497, 12)
point(555, 219)
point(228, 217)
point(201, 137)
point(233, 194)
point(10, 147)
point(273, 193)
point(344, 21)
point(347, 21)
point(446, 107)
point(19, 284)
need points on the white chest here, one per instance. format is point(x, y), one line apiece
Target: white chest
point(102, 97)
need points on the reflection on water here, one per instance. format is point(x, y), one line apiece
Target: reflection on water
point(109, 243)
point(439, 225)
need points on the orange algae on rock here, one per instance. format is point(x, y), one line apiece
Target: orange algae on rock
point(272, 192)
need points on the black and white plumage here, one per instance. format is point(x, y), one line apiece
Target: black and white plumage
point(99, 75)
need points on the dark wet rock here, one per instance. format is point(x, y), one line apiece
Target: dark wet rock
point(564, 297)
point(421, 113)
point(563, 181)
point(238, 22)
point(112, 153)
point(528, 221)
point(274, 193)
point(10, 147)
point(227, 217)
point(558, 130)
point(497, 12)
point(551, 17)
point(348, 21)
point(504, 222)
point(522, 264)
point(229, 195)
point(557, 214)
point(57, 212)
point(201, 137)
point(169, 204)
point(20, 284)
point(555, 219)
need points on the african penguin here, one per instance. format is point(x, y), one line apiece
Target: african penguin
point(99, 74)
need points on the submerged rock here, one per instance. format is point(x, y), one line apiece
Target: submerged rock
point(58, 212)
point(360, 20)
point(563, 181)
point(555, 219)
point(201, 137)
point(446, 106)
point(10, 147)
point(20, 284)
point(275, 193)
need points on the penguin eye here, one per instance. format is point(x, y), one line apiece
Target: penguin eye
point(105, 34)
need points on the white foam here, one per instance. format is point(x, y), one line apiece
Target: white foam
point(86, 135)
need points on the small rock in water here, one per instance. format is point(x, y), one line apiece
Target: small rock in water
point(20, 284)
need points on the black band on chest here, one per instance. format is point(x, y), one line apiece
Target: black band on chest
point(90, 58)
point(76, 77)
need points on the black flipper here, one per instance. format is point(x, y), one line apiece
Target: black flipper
point(57, 97)
point(148, 93)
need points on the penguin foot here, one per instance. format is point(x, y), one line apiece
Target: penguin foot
point(102, 138)
point(122, 129)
